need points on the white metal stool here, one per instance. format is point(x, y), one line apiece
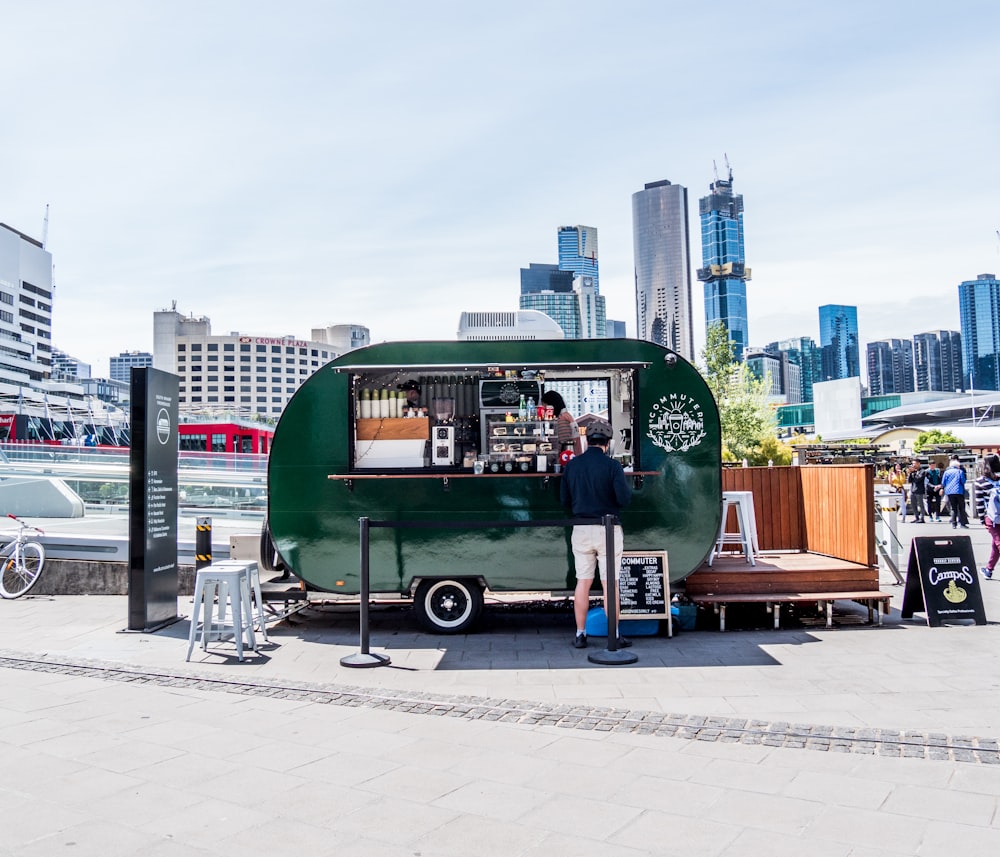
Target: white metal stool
point(232, 585)
point(746, 524)
point(253, 577)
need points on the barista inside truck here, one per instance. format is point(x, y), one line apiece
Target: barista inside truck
point(412, 389)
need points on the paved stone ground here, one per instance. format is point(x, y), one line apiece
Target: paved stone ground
point(846, 741)
point(884, 742)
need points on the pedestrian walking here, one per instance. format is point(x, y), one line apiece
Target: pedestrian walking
point(897, 479)
point(953, 486)
point(983, 485)
point(917, 481)
point(991, 519)
point(934, 491)
point(594, 485)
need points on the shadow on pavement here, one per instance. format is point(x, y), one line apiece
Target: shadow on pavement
point(538, 635)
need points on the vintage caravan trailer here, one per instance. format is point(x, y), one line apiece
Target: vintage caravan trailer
point(465, 450)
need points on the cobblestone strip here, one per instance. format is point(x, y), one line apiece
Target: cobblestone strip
point(830, 739)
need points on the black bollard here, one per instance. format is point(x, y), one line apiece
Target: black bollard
point(364, 658)
point(203, 543)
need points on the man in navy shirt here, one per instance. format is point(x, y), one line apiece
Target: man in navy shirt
point(593, 485)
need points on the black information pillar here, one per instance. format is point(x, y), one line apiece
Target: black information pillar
point(152, 524)
point(941, 581)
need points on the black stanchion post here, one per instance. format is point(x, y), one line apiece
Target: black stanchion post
point(612, 656)
point(364, 658)
point(203, 543)
point(611, 594)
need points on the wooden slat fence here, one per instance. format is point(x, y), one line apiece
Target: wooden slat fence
point(839, 503)
point(777, 501)
point(825, 509)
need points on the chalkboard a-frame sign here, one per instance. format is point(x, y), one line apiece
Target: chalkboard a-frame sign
point(643, 585)
point(941, 581)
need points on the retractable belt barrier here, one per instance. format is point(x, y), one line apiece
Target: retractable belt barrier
point(612, 656)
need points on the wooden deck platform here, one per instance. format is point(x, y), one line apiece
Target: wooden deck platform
point(786, 578)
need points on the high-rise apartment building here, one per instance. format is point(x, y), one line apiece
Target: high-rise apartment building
point(890, 367)
point(126, 361)
point(838, 337)
point(234, 373)
point(937, 361)
point(54, 394)
point(979, 310)
point(777, 367)
point(67, 368)
point(952, 376)
point(25, 311)
point(662, 251)
point(724, 271)
point(578, 252)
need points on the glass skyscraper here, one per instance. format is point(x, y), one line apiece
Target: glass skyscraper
point(578, 252)
point(661, 247)
point(979, 309)
point(724, 271)
point(545, 278)
point(838, 339)
point(568, 292)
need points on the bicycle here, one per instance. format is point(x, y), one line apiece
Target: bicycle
point(22, 562)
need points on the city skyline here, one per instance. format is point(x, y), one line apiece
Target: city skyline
point(273, 173)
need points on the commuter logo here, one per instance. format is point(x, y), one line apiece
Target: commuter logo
point(676, 423)
point(510, 394)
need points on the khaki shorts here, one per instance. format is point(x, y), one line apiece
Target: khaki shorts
point(589, 548)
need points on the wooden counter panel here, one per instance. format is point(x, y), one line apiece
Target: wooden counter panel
point(394, 428)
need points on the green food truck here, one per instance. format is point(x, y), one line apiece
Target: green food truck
point(438, 436)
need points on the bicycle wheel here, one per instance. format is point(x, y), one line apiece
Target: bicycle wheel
point(17, 578)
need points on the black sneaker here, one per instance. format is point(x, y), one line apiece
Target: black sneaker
point(580, 641)
point(624, 642)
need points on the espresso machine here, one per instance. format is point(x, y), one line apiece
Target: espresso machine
point(443, 432)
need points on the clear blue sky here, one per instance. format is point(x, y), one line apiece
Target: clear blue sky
point(283, 166)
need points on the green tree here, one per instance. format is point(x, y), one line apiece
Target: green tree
point(934, 437)
point(749, 423)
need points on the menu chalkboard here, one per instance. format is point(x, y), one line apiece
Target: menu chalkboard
point(643, 585)
point(941, 581)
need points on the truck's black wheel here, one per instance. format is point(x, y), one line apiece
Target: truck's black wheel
point(448, 606)
point(270, 559)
